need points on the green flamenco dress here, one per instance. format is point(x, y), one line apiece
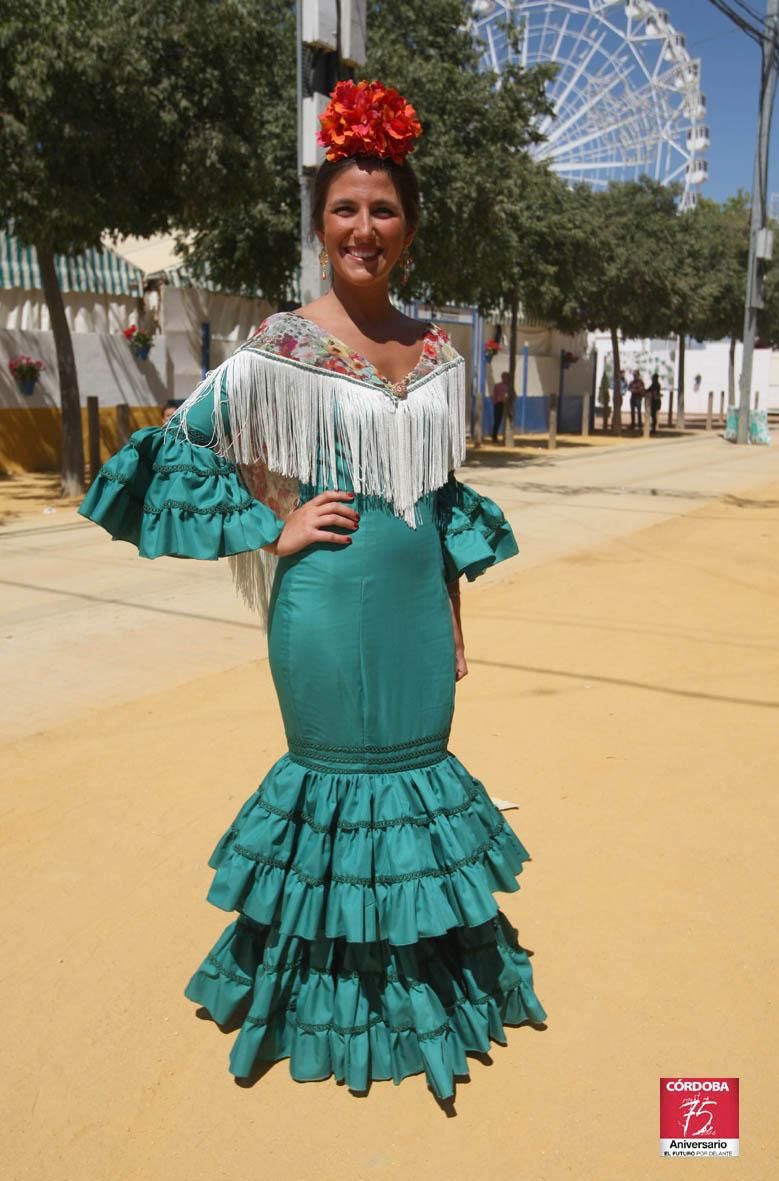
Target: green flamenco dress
point(367, 943)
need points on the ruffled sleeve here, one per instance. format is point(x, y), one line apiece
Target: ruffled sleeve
point(173, 495)
point(474, 532)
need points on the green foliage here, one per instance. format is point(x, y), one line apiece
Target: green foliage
point(135, 118)
point(626, 278)
point(476, 133)
point(604, 386)
point(238, 187)
point(768, 317)
point(724, 234)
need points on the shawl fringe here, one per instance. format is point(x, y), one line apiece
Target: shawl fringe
point(253, 573)
point(296, 418)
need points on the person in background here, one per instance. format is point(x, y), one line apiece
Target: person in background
point(655, 399)
point(637, 392)
point(169, 409)
point(500, 395)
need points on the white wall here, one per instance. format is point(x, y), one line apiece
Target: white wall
point(709, 361)
point(106, 368)
point(543, 370)
point(232, 320)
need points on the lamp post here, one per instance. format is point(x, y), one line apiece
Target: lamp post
point(330, 45)
point(760, 237)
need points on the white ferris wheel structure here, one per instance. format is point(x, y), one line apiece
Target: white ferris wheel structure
point(627, 94)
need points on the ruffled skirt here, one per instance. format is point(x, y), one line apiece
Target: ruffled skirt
point(368, 943)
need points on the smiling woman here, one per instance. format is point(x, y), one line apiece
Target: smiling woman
point(365, 214)
point(367, 942)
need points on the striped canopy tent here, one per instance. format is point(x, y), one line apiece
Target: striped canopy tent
point(181, 276)
point(102, 272)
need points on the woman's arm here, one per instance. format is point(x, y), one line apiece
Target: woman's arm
point(461, 665)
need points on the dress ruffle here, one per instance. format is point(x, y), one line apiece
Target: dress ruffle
point(308, 850)
point(168, 496)
point(474, 532)
point(365, 1011)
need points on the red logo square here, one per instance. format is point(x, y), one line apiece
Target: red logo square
point(699, 1116)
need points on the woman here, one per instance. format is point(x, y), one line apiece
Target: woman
point(655, 396)
point(368, 943)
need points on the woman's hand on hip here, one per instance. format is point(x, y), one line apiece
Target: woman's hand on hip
point(313, 522)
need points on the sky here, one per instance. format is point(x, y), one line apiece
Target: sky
point(730, 79)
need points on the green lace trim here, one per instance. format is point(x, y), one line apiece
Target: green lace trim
point(388, 974)
point(419, 752)
point(351, 1030)
point(228, 972)
point(224, 508)
point(378, 879)
point(224, 468)
point(487, 531)
point(198, 437)
point(371, 825)
point(298, 745)
point(398, 763)
point(109, 475)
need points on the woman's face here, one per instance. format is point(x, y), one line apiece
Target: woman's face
point(364, 228)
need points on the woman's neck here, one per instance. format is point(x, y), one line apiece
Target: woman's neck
point(365, 308)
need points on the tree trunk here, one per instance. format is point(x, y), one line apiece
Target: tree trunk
point(732, 373)
point(511, 399)
point(72, 465)
point(680, 395)
point(616, 414)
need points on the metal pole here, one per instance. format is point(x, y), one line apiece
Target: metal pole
point(552, 440)
point(310, 285)
point(589, 397)
point(122, 423)
point(758, 221)
point(523, 405)
point(561, 385)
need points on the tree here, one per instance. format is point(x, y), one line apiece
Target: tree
point(693, 286)
point(134, 118)
point(625, 283)
point(725, 229)
point(476, 125)
point(533, 254)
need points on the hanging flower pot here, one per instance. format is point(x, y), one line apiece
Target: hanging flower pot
point(139, 342)
point(25, 371)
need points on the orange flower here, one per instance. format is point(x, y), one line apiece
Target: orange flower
point(368, 119)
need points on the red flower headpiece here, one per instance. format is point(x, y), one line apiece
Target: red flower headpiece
point(368, 119)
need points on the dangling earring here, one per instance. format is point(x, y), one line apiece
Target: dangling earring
point(406, 261)
point(323, 261)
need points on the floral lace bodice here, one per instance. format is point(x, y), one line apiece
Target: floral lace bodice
point(290, 335)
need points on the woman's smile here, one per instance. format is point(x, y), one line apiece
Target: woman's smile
point(363, 254)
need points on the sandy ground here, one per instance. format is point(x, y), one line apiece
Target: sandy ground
point(624, 690)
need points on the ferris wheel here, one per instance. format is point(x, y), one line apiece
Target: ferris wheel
point(627, 94)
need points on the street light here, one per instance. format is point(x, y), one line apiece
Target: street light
point(330, 46)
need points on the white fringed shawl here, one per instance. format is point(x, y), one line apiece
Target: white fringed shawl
point(297, 418)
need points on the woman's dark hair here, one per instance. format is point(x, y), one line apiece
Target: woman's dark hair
point(402, 176)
